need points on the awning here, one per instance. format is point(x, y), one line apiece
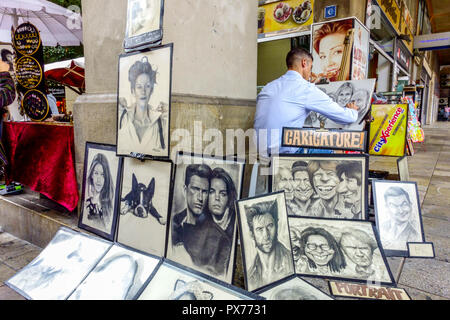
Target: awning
point(69, 73)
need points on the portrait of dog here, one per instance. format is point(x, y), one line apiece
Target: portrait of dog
point(139, 201)
point(144, 205)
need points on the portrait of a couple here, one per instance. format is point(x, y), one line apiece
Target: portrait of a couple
point(203, 220)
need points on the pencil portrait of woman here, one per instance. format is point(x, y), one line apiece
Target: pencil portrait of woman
point(143, 104)
point(98, 204)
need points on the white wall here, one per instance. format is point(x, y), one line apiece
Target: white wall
point(215, 46)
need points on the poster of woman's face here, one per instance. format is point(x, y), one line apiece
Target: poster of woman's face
point(144, 205)
point(144, 22)
point(175, 282)
point(328, 48)
point(343, 249)
point(343, 92)
point(60, 267)
point(292, 288)
point(326, 186)
point(118, 276)
point(100, 190)
point(398, 216)
point(202, 229)
point(265, 242)
point(143, 109)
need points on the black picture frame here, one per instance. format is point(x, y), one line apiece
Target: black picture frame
point(221, 285)
point(168, 192)
point(273, 285)
point(141, 154)
point(416, 199)
point(147, 39)
point(335, 223)
point(199, 158)
point(110, 233)
point(339, 157)
point(243, 241)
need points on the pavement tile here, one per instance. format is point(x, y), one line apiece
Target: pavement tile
point(7, 293)
point(5, 272)
point(429, 275)
point(434, 210)
point(22, 260)
point(416, 294)
point(13, 248)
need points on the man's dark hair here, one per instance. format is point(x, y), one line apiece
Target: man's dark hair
point(352, 169)
point(299, 166)
point(396, 192)
point(261, 208)
point(201, 170)
point(297, 54)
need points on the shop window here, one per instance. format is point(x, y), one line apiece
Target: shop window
point(301, 42)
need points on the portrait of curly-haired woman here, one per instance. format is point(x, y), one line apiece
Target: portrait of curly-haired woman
point(143, 103)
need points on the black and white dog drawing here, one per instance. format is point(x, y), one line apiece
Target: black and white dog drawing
point(139, 201)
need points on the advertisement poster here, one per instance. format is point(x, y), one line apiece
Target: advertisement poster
point(388, 130)
point(278, 17)
point(331, 49)
point(360, 61)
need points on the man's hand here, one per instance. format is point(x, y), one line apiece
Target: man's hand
point(352, 105)
point(4, 66)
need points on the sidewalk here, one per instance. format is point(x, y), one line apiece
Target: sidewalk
point(423, 279)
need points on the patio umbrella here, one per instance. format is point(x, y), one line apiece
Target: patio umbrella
point(57, 25)
point(69, 73)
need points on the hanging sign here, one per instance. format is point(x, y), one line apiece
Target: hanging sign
point(281, 17)
point(29, 61)
point(35, 104)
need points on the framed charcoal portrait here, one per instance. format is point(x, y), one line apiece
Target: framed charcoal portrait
point(202, 231)
point(100, 190)
point(265, 243)
point(398, 215)
point(60, 267)
point(144, 24)
point(344, 92)
point(144, 205)
point(173, 281)
point(144, 100)
point(338, 249)
point(322, 185)
point(119, 275)
point(292, 288)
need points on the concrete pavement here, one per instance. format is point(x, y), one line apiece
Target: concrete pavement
point(423, 279)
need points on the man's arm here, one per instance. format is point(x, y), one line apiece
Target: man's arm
point(320, 102)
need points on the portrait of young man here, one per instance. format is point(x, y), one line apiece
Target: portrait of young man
point(398, 215)
point(267, 247)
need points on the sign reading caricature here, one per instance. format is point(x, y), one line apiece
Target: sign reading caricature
point(144, 102)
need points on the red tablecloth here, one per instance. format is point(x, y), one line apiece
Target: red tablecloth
point(41, 156)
